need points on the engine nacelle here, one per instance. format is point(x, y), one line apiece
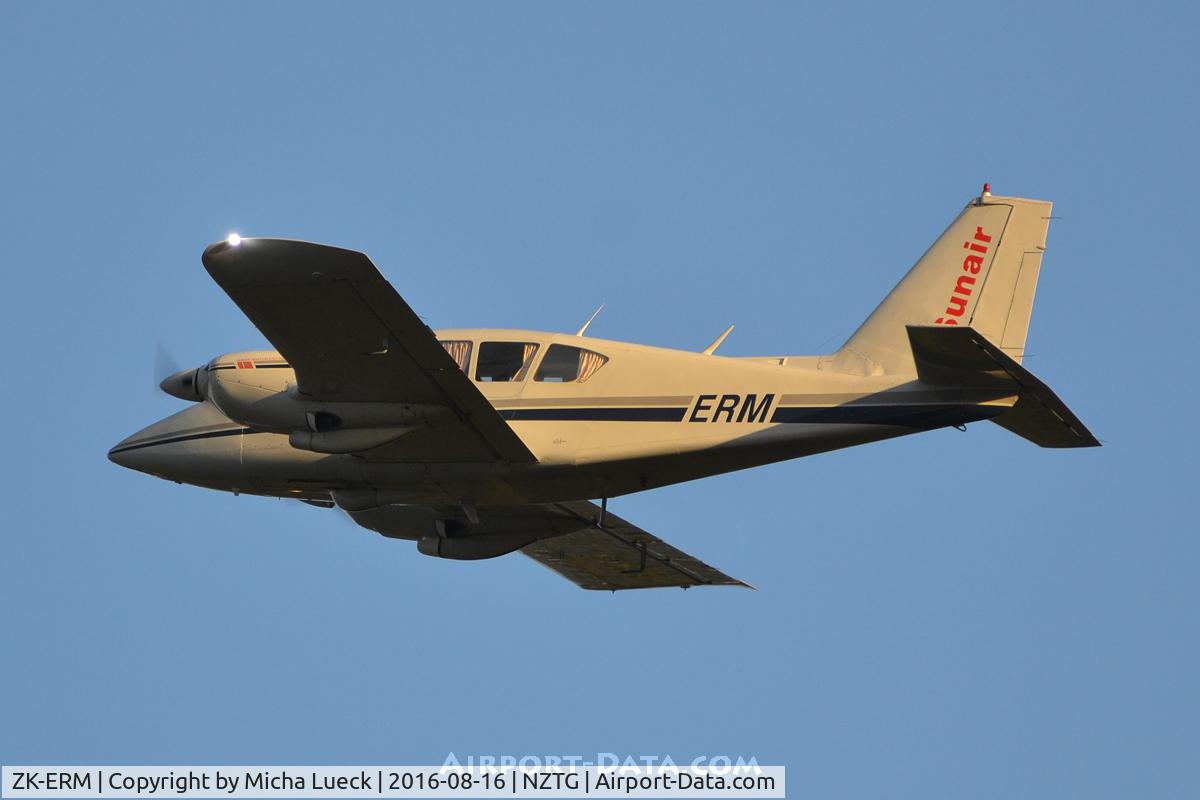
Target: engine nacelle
point(471, 548)
point(436, 535)
point(258, 389)
point(345, 440)
point(400, 519)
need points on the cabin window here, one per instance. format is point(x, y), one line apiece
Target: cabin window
point(460, 351)
point(504, 361)
point(564, 364)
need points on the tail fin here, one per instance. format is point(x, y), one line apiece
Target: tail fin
point(981, 272)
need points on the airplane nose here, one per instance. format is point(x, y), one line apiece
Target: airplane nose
point(191, 445)
point(155, 457)
point(144, 450)
point(127, 453)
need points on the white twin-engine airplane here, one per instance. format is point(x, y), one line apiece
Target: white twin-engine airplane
point(477, 442)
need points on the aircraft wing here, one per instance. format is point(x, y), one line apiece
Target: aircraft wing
point(350, 336)
point(619, 556)
point(563, 536)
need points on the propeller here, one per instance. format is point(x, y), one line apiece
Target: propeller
point(164, 364)
point(181, 383)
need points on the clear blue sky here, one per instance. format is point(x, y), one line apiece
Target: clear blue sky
point(944, 615)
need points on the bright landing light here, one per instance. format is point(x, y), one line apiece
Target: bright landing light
point(234, 240)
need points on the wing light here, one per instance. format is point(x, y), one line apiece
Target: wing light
point(234, 240)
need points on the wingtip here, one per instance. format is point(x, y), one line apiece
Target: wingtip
point(211, 252)
point(219, 253)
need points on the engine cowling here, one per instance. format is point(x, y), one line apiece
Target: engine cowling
point(258, 389)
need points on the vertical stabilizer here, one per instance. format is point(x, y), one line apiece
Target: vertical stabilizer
point(981, 272)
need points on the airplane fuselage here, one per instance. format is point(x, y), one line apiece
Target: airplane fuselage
point(482, 441)
point(646, 417)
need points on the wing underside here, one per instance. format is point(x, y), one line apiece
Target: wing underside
point(588, 548)
point(619, 555)
point(351, 337)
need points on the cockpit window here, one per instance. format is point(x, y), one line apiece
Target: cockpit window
point(460, 351)
point(564, 364)
point(504, 361)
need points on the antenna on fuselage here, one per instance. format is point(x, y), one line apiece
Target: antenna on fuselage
point(589, 322)
point(708, 351)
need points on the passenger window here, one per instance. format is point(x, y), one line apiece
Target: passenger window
point(504, 361)
point(564, 364)
point(460, 351)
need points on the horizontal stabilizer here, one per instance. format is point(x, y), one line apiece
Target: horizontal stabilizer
point(962, 357)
